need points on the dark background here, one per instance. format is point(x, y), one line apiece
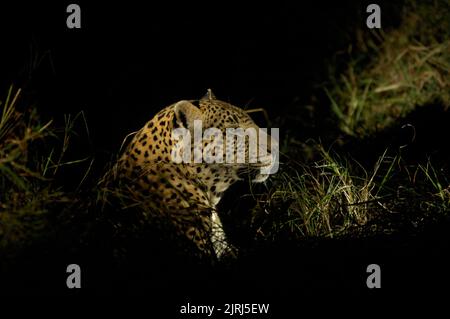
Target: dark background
point(129, 60)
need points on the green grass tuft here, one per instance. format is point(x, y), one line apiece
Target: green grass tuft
point(409, 67)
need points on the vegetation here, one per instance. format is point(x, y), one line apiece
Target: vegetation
point(408, 67)
point(335, 197)
point(335, 191)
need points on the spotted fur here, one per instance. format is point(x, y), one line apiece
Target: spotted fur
point(188, 192)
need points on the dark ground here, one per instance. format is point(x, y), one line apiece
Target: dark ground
point(127, 62)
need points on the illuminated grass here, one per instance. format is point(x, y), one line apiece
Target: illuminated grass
point(335, 197)
point(409, 67)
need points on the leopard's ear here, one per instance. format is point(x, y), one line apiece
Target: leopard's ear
point(185, 114)
point(209, 95)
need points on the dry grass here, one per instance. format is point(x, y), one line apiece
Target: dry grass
point(335, 196)
point(410, 67)
point(29, 198)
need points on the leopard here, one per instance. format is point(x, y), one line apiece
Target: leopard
point(187, 193)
